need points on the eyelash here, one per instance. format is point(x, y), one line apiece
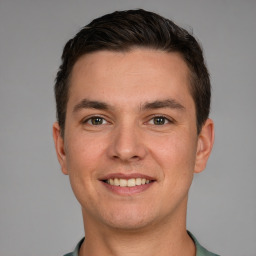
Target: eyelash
point(104, 121)
point(166, 120)
point(90, 119)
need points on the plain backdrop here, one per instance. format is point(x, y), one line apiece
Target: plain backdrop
point(39, 214)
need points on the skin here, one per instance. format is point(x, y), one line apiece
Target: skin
point(144, 123)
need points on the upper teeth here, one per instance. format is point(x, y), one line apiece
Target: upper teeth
point(127, 183)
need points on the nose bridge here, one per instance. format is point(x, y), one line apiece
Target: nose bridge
point(127, 143)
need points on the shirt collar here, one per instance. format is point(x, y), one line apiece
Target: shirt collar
point(200, 250)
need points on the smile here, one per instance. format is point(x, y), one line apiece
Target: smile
point(127, 182)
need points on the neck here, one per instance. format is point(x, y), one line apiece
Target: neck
point(166, 239)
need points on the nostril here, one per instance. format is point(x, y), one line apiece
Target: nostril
point(126, 158)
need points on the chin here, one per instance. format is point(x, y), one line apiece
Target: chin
point(129, 220)
point(128, 224)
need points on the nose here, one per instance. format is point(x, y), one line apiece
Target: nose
point(127, 144)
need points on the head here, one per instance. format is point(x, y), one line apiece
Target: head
point(133, 98)
point(125, 30)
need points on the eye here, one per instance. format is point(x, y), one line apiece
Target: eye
point(95, 120)
point(159, 120)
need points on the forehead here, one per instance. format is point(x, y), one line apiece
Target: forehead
point(139, 73)
point(135, 60)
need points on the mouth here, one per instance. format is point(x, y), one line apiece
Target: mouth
point(132, 182)
point(124, 184)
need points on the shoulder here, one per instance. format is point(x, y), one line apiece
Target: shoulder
point(75, 252)
point(200, 250)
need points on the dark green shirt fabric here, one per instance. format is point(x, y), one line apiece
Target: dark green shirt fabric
point(200, 250)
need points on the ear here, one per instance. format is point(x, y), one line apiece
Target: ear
point(59, 147)
point(204, 145)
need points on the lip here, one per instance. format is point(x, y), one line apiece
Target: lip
point(127, 191)
point(127, 176)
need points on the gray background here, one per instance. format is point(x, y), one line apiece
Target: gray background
point(39, 215)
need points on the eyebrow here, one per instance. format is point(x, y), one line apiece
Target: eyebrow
point(85, 103)
point(169, 103)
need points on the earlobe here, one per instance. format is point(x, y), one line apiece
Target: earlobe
point(59, 147)
point(204, 145)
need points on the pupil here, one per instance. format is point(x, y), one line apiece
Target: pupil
point(159, 120)
point(97, 121)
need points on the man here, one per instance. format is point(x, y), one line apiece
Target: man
point(133, 98)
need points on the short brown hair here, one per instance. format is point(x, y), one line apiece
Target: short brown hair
point(123, 30)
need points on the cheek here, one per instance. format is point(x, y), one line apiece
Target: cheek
point(82, 158)
point(175, 155)
point(174, 149)
point(83, 153)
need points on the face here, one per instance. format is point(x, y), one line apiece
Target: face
point(131, 146)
